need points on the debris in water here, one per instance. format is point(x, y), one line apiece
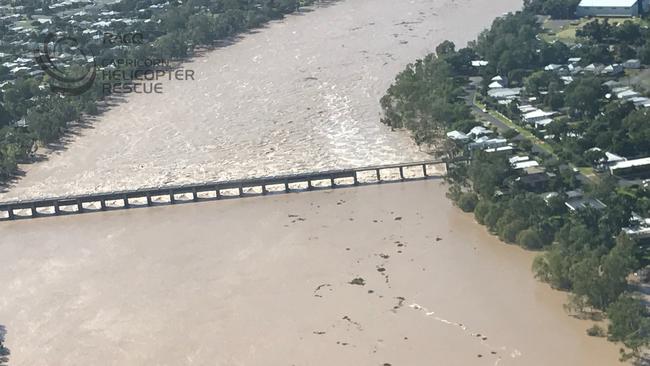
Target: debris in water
point(316, 294)
point(358, 281)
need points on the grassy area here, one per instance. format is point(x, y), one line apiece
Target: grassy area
point(565, 30)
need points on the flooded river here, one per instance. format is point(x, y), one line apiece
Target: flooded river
point(387, 275)
point(300, 95)
point(377, 275)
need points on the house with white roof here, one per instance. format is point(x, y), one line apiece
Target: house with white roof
point(611, 8)
point(595, 68)
point(485, 142)
point(632, 64)
point(495, 85)
point(613, 69)
point(553, 67)
point(635, 167)
point(504, 93)
point(538, 117)
point(479, 131)
point(525, 164)
point(577, 201)
point(498, 82)
point(627, 94)
point(518, 159)
point(479, 63)
point(457, 136)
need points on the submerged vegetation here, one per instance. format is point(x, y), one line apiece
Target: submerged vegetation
point(4, 351)
point(583, 251)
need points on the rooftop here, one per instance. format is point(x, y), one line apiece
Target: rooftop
point(607, 3)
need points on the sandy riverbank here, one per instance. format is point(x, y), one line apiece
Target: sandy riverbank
point(266, 281)
point(300, 95)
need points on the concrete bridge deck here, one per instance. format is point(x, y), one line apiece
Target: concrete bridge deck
point(147, 197)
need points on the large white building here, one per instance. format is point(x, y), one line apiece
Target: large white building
point(612, 8)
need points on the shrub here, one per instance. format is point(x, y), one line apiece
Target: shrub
point(529, 239)
point(509, 232)
point(481, 211)
point(510, 134)
point(596, 331)
point(467, 202)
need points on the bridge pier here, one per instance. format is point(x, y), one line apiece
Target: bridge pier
point(195, 189)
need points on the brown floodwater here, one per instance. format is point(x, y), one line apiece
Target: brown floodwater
point(374, 275)
point(299, 95)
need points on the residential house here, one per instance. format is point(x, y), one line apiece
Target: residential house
point(631, 168)
point(611, 8)
point(538, 118)
point(632, 64)
point(536, 179)
point(577, 201)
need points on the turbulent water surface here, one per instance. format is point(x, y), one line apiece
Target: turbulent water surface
point(299, 95)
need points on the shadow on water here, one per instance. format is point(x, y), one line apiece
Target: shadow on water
point(4, 351)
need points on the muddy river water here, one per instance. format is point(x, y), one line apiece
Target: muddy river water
point(387, 275)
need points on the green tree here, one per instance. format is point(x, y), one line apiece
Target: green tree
point(445, 48)
point(4, 351)
point(630, 325)
point(467, 201)
point(529, 239)
point(583, 96)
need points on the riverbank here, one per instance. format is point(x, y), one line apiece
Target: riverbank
point(125, 287)
point(300, 95)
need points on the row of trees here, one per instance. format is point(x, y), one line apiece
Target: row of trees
point(425, 98)
point(584, 252)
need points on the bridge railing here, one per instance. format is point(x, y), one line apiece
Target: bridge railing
point(145, 197)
